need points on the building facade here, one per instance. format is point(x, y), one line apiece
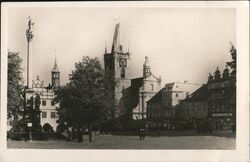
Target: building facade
point(130, 94)
point(117, 62)
point(48, 112)
point(150, 85)
point(222, 98)
point(161, 108)
point(195, 106)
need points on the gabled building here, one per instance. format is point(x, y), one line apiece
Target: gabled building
point(149, 85)
point(161, 108)
point(48, 116)
point(222, 98)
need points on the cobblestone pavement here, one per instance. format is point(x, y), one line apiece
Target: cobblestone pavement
point(133, 142)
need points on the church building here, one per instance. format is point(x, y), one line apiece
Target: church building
point(131, 94)
point(117, 62)
point(148, 87)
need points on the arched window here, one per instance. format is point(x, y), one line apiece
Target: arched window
point(152, 87)
point(122, 73)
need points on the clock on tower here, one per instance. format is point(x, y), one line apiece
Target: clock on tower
point(123, 62)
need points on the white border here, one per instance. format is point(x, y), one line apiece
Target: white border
point(242, 141)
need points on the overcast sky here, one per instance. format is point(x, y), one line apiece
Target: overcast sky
point(181, 43)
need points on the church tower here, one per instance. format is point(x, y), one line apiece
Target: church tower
point(117, 62)
point(146, 68)
point(55, 76)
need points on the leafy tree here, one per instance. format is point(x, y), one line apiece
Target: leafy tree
point(15, 86)
point(233, 52)
point(87, 100)
point(32, 112)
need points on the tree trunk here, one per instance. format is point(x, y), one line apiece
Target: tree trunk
point(90, 133)
point(79, 134)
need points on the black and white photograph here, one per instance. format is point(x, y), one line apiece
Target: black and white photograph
point(125, 76)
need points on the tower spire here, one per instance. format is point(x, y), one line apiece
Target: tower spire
point(55, 75)
point(55, 64)
point(116, 39)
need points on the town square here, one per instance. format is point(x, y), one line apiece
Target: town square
point(117, 78)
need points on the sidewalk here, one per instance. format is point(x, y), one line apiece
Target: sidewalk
point(226, 133)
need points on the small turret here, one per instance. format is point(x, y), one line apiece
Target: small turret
point(217, 74)
point(55, 76)
point(146, 68)
point(226, 73)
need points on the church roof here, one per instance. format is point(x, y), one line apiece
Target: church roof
point(55, 66)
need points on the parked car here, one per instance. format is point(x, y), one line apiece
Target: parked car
point(204, 127)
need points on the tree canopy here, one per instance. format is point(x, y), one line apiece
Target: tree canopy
point(14, 83)
point(233, 52)
point(87, 99)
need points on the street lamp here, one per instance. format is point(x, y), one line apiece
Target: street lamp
point(29, 124)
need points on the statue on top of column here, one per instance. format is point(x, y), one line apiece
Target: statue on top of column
point(29, 31)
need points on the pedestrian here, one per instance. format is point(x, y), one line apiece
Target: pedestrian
point(143, 134)
point(140, 134)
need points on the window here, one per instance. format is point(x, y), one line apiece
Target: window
point(123, 73)
point(44, 102)
point(176, 95)
point(44, 114)
point(52, 103)
point(152, 87)
point(53, 115)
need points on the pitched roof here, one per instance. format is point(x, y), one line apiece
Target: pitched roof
point(200, 94)
point(157, 96)
point(136, 83)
